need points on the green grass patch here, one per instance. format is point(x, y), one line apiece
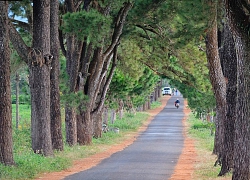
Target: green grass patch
point(201, 132)
point(155, 104)
point(24, 112)
point(130, 121)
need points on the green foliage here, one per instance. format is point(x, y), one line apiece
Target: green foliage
point(190, 22)
point(73, 99)
point(144, 87)
point(20, 8)
point(138, 88)
point(121, 84)
point(91, 24)
point(170, 37)
point(197, 100)
point(130, 56)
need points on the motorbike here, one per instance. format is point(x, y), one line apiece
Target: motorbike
point(177, 105)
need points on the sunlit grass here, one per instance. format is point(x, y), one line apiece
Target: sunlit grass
point(24, 112)
point(204, 142)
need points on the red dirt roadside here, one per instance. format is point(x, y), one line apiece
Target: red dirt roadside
point(183, 170)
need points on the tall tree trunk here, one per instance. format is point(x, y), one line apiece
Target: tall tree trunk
point(120, 110)
point(229, 64)
point(94, 71)
point(85, 123)
point(100, 66)
point(84, 127)
point(217, 80)
point(159, 89)
point(239, 24)
point(149, 102)
point(144, 107)
point(17, 99)
point(105, 115)
point(70, 125)
point(70, 113)
point(6, 143)
point(55, 110)
point(74, 49)
point(112, 116)
point(39, 67)
point(102, 88)
point(73, 54)
point(97, 123)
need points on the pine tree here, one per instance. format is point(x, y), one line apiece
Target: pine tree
point(6, 144)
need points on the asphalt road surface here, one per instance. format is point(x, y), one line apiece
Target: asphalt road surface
point(152, 156)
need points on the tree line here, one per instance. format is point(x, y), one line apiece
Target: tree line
point(91, 60)
point(200, 46)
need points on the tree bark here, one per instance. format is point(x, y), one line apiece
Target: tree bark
point(17, 99)
point(239, 22)
point(91, 73)
point(99, 69)
point(39, 78)
point(112, 116)
point(70, 124)
point(97, 123)
point(229, 65)
point(73, 54)
point(6, 142)
point(102, 88)
point(73, 64)
point(84, 127)
point(55, 110)
point(218, 82)
point(105, 115)
point(120, 110)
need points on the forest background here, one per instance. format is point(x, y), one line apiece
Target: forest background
point(89, 56)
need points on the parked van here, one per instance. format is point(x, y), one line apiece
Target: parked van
point(166, 91)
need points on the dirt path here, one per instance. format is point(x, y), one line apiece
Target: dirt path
point(183, 169)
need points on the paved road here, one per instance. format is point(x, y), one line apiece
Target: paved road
point(152, 156)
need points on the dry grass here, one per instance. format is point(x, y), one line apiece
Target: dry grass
point(204, 166)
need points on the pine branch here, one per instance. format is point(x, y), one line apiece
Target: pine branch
point(120, 21)
point(22, 24)
point(18, 43)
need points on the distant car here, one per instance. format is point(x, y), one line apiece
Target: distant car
point(166, 91)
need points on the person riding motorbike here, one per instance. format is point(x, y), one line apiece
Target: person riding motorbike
point(177, 103)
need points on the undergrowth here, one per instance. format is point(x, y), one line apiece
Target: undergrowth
point(203, 133)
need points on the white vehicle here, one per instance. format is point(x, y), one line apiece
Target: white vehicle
point(166, 91)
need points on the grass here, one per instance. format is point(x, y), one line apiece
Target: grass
point(30, 165)
point(24, 111)
point(204, 168)
point(155, 104)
